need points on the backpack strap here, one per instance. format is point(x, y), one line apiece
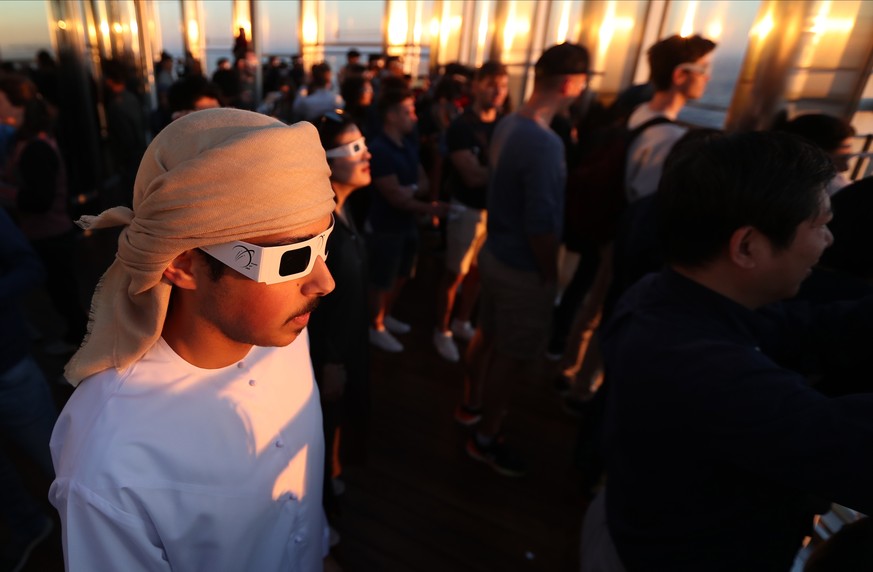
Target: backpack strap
point(659, 120)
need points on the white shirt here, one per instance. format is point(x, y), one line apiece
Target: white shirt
point(166, 466)
point(647, 152)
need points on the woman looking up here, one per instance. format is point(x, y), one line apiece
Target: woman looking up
point(338, 329)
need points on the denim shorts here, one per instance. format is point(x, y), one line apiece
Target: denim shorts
point(391, 256)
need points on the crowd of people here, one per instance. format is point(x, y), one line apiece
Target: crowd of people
point(648, 257)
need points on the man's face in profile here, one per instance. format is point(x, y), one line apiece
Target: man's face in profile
point(786, 269)
point(265, 315)
point(694, 77)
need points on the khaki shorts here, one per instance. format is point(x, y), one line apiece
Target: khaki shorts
point(515, 308)
point(465, 235)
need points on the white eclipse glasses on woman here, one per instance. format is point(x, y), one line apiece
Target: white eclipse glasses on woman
point(272, 264)
point(356, 147)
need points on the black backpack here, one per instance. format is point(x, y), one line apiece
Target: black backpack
point(596, 196)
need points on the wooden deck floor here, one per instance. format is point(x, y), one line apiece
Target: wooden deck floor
point(421, 504)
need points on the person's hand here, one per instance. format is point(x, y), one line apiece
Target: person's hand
point(333, 381)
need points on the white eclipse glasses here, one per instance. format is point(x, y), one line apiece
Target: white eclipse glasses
point(356, 147)
point(272, 264)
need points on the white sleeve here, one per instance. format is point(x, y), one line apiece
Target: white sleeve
point(99, 536)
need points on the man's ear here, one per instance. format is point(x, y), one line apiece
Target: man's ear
point(181, 273)
point(565, 85)
point(680, 76)
point(745, 247)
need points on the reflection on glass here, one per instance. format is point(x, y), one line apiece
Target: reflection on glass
point(447, 24)
point(516, 30)
point(484, 15)
point(611, 37)
point(408, 37)
point(242, 12)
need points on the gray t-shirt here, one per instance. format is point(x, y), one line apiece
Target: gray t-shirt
point(526, 189)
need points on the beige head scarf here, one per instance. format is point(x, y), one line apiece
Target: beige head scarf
point(210, 177)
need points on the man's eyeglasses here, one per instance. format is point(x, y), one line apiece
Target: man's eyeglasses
point(352, 149)
point(702, 69)
point(272, 264)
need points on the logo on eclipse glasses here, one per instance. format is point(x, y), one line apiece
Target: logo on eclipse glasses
point(245, 255)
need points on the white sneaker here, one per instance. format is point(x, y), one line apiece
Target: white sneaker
point(385, 341)
point(445, 346)
point(463, 330)
point(395, 326)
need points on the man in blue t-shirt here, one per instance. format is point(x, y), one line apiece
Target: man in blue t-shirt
point(393, 238)
point(519, 262)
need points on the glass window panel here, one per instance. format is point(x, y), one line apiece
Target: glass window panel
point(565, 22)
point(26, 33)
point(169, 16)
point(219, 41)
point(821, 84)
point(447, 27)
point(517, 31)
point(833, 51)
point(409, 34)
point(277, 27)
point(612, 36)
point(483, 31)
point(862, 121)
point(830, 28)
point(353, 22)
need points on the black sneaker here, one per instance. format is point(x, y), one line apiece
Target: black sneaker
point(562, 384)
point(468, 416)
point(575, 406)
point(497, 456)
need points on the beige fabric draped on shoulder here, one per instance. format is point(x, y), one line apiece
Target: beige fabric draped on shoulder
point(210, 177)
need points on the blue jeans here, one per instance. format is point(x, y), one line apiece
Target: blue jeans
point(27, 417)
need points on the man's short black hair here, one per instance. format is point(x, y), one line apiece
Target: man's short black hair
point(667, 54)
point(491, 68)
point(353, 53)
point(714, 186)
point(114, 70)
point(184, 93)
point(561, 60)
point(320, 75)
point(389, 99)
point(331, 126)
point(826, 131)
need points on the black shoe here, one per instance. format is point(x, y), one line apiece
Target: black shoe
point(497, 456)
point(575, 406)
point(562, 384)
